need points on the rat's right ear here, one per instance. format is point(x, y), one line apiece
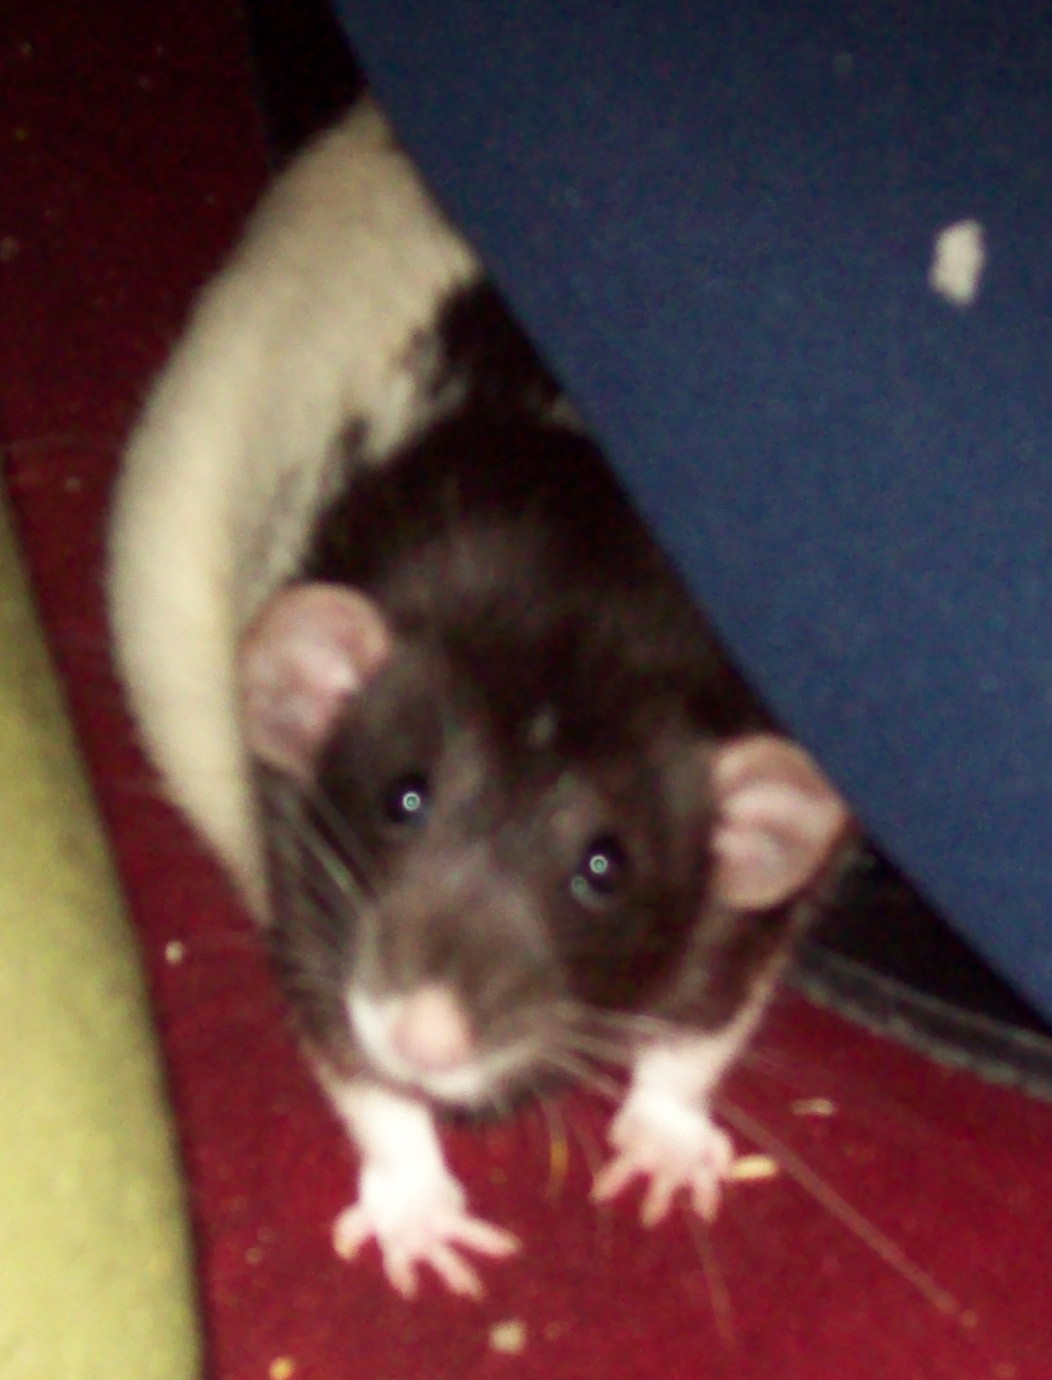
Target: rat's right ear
point(310, 647)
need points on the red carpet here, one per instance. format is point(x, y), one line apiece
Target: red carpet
point(130, 148)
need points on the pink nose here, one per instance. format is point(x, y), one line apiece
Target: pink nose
point(431, 1031)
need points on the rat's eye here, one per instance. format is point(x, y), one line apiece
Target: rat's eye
point(406, 800)
point(602, 871)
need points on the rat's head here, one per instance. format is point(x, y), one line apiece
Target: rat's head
point(471, 870)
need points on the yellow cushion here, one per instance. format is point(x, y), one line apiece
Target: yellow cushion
point(95, 1267)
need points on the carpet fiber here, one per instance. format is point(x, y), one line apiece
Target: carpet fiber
point(908, 1231)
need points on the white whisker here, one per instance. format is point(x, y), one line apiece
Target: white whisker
point(715, 1280)
point(848, 1216)
point(563, 1063)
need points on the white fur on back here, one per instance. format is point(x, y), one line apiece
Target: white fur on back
point(312, 325)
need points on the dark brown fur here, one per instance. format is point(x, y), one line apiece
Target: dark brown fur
point(556, 685)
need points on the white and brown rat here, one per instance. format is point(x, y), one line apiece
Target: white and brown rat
point(404, 653)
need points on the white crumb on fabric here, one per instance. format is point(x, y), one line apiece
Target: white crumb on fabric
point(751, 1168)
point(958, 261)
point(508, 1337)
point(174, 952)
point(814, 1106)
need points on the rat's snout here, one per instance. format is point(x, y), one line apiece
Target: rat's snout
point(459, 923)
point(424, 1039)
point(453, 994)
point(431, 1031)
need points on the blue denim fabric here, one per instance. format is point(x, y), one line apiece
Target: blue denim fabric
point(718, 221)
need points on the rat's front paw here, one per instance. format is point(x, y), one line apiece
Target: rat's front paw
point(418, 1221)
point(676, 1147)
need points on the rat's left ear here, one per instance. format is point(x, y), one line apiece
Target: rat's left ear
point(777, 821)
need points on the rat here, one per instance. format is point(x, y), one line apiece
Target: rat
point(403, 651)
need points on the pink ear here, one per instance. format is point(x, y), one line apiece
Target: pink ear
point(778, 820)
point(308, 649)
